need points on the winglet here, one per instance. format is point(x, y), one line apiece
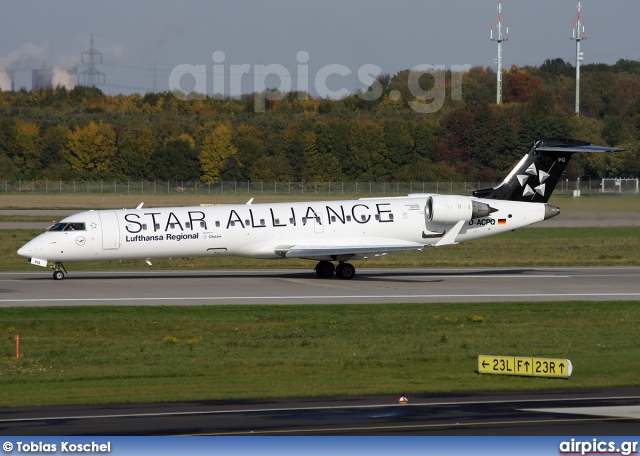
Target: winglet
point(450, 237)
point(250, 201)
point(140, 205)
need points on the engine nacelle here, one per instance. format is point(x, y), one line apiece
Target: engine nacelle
point(452, 208)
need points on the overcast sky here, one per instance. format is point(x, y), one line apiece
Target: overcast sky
point(392, 34)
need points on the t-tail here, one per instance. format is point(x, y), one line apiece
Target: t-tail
point(537, 174)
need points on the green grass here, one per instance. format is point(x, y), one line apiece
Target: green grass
point(619, 246)
point(137, 354)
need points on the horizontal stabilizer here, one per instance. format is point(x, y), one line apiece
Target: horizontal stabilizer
point(536, 176)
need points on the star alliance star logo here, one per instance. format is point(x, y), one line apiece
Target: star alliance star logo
point(533, 171)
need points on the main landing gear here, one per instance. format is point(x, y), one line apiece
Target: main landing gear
point(325, 270)
point(58, 271)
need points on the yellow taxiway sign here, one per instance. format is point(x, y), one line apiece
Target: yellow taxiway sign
point(520, 365)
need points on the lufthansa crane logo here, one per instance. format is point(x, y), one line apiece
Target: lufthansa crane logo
point(80, 240)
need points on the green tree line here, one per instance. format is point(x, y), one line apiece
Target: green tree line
point(84, 134)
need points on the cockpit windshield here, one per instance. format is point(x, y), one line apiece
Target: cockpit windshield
point(62, 226)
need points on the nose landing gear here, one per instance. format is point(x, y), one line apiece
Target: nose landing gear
point(58, 270)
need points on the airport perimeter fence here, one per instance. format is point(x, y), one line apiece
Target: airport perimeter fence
point(360, 189)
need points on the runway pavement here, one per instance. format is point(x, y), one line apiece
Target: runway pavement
point(291, 286)
point(610, 411)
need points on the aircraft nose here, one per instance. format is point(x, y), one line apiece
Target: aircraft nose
point(26, 250)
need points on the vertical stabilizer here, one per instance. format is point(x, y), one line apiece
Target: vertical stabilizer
point(535, 177)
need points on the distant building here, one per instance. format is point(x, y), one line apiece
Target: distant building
point(7, 79)
point(53, 77)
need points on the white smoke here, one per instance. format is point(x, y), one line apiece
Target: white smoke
point(6, 79)
point(65, 77)
point(27, 56)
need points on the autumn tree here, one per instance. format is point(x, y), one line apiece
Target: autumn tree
point(91, 148)
point(271, 168)
point(176, 161)
point(251, 144)
point(28, 147)
point(399, 143)
point(52, 164)
point(137, 144)
point(366, 157)
point(520, 86)
point(215, 148)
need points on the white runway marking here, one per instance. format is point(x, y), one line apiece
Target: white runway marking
point(621, 411)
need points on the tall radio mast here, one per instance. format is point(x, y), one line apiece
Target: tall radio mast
point(499, 38)
point(578, 35)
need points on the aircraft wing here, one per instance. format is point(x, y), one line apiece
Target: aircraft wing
point(344, 252)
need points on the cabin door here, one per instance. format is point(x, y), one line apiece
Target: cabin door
point(110, 230)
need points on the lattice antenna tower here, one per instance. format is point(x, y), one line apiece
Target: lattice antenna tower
point(578, 35)
point(499, 38)
point(91, 76)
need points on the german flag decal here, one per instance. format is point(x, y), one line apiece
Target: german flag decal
point(502, 221)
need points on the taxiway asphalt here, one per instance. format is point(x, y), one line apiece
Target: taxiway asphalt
point(609, 411)
point(299, 286)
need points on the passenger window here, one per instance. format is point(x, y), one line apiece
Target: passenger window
point(333, 218)
point(277, 221)
point(390, 216)
point(217, 224)
point(364, 218)
point(292, 221)
point(348, 218)
point(156, 227)
point(262, 222)
point(247, 222)
point(144, 226)
point(232, 223)
point(377, 217)
point(188, 225)
point(204, 224)
point(304, 220)
point(172, 225)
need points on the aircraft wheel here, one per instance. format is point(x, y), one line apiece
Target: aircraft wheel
point(345, 271)
point(325, 269)
point(58, 275)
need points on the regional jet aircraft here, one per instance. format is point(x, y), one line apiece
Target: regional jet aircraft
point(326, 231)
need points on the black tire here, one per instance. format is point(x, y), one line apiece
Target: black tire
point(345, 271)
point(58, 275)
point(325, 269)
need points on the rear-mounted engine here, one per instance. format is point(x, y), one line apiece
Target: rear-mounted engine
point(452, 209)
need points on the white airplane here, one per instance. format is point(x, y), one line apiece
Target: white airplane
point(324, 231)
